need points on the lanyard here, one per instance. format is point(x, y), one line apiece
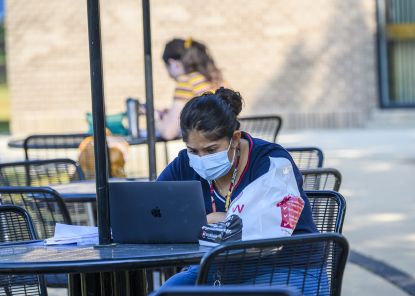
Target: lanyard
point(231, 187)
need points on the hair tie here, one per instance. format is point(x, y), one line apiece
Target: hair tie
point(188, 42)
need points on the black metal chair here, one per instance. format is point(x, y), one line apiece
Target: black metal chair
point(40, 172)
point(313, 263)
point(48, 146)
point(307, 157)
point(45, 173)
point(44, 205)
point(46, 208)
point(328, 209)
point(321, 179)
point(53, 146)
point(16, 226)
point(264, 127)
point(227, 291)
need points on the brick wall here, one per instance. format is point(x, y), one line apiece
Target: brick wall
point(311, 61)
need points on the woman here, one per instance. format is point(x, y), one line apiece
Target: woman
point(189, 63)
point(224, 159)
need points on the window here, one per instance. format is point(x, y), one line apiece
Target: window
point(396, 21)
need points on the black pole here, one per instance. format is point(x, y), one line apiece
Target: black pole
point(151, 131)
point(98, 118)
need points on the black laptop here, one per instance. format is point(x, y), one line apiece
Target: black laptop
point(156, 212)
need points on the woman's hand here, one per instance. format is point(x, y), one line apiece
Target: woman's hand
point(162, 113)
point(216, 217)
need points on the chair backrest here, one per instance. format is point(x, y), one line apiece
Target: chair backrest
point(40, 172)
point(312, 263)
point(328, 209)
point(16, 226)
point(44, 173)
point(264, 127)
point(68, 146)
point(321, 179)
point(307, 157)
point(227, 291)
point(43, 204)
point(52, 146)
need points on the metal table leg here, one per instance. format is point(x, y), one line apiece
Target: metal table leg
point(101, 284)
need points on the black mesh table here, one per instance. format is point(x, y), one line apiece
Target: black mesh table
point(79, 191)
point(86, 260)
point(84, 190)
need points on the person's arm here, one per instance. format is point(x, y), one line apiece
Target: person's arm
point(169, 125)
point(262, 163)
point(305, 223)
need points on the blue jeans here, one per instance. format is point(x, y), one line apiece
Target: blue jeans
point(314, 279)
point(184, 278)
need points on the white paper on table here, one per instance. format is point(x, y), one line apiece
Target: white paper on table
point(69, 234)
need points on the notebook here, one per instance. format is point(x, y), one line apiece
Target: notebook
point(156, 212)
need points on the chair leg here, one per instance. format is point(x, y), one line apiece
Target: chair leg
point(121, 283)
point(90, 284)
point(74, 284)
point(7, 291)
point(107, 285)
point(150, 279)
point(138, 284)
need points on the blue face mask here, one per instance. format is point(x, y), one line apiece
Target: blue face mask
point(212, 166)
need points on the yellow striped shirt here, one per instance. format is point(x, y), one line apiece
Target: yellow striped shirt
point(192, 85)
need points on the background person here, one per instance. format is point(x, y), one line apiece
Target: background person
point(189, 63)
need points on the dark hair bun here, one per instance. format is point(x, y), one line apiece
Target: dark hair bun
point(232, 98)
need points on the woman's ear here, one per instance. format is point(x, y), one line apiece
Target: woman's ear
point(236, 138)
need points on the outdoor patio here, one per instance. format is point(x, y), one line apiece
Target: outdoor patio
point(379, 216)
point(98, 98)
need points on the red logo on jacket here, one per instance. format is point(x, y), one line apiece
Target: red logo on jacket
point(291, 207)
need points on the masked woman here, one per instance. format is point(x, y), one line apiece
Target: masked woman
point(224, 159)
point(190, 64)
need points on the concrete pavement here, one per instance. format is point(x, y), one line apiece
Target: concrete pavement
point(378, 167)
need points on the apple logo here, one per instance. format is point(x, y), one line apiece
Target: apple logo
point(156, 212)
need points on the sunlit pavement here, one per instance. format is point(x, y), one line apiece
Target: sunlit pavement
point(378, 168)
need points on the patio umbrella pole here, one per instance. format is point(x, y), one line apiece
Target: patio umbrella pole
point(98, 117)
point(151, 131)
